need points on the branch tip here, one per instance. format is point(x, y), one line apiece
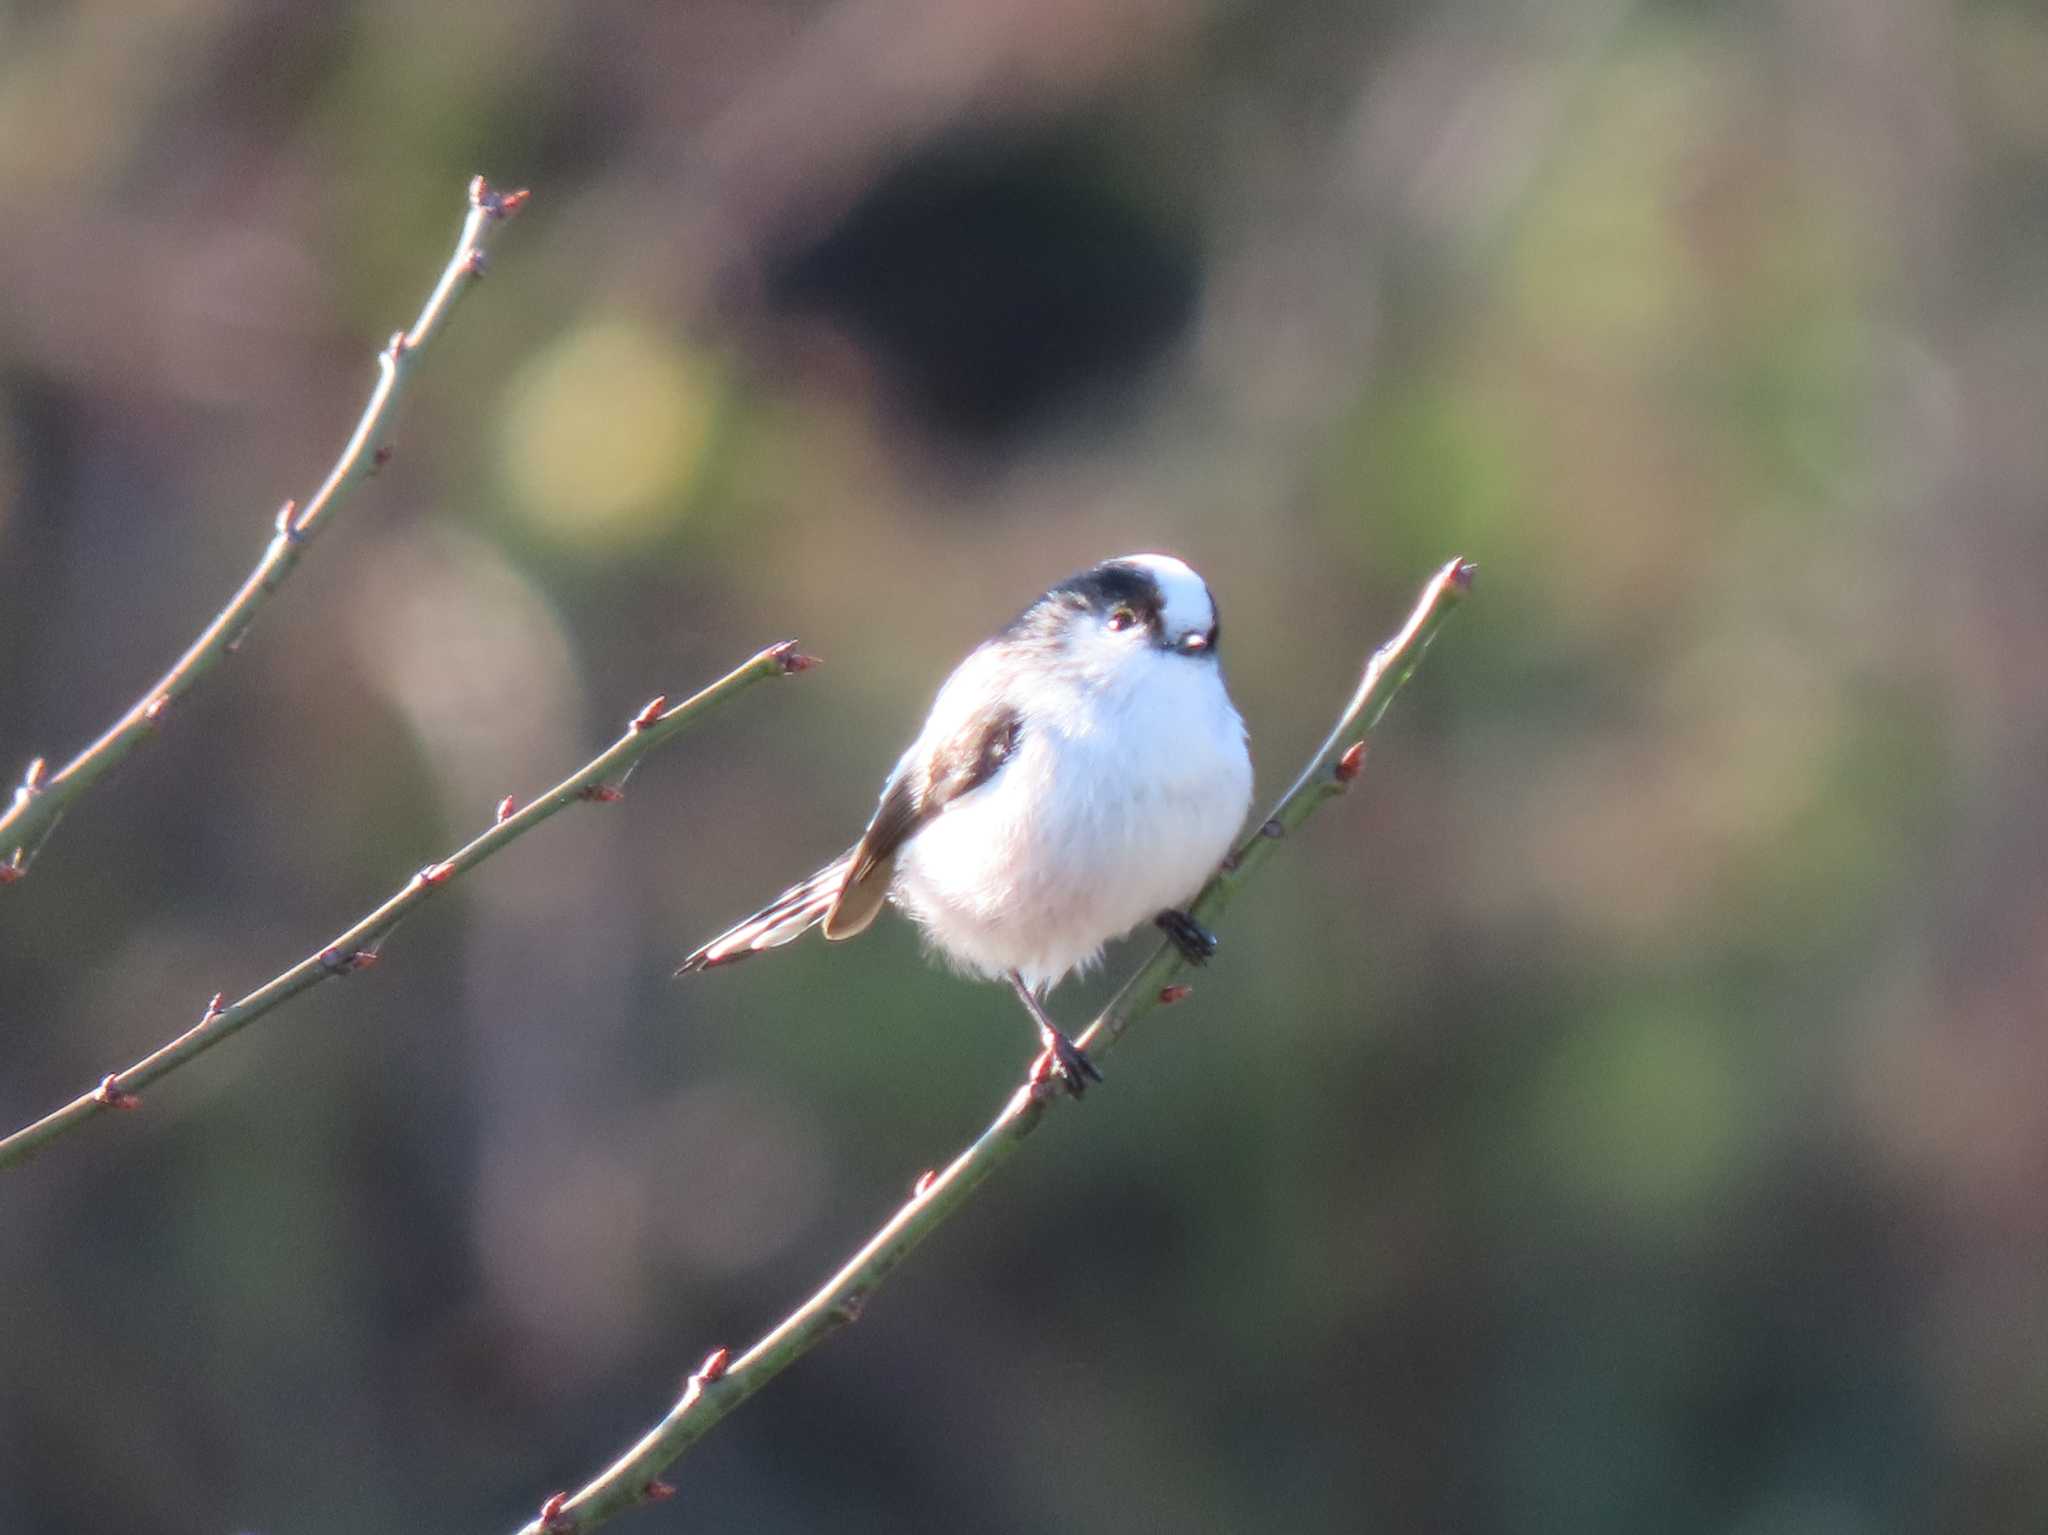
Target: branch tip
point(650, 711)
point(1463, 573)
point(1179, 991)
point(792, 660)
point(109, 1095)
point(499, 205)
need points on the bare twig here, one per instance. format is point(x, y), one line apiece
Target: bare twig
point(41, 800)
point(720, 1385)
point(357, 947)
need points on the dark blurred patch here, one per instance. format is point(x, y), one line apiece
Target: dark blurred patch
point(996, 281)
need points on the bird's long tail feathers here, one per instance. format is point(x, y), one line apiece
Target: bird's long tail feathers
point(797, 910)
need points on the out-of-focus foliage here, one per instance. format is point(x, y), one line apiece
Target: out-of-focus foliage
point(1627, 1114)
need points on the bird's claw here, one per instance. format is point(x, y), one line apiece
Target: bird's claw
point(1062, 1055)
point(1196, 943)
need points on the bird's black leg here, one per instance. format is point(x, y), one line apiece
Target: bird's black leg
point(1196, 943)
point(1075, 1069)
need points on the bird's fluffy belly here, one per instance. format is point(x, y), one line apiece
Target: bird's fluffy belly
point(1018, 876)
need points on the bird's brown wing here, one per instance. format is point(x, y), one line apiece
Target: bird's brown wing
point(974, 755)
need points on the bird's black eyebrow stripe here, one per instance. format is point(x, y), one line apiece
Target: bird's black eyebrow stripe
point(1107, 585)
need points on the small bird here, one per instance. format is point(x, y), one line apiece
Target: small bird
point(1081, 771)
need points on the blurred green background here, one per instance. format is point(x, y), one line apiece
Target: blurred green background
point(1628, 1111)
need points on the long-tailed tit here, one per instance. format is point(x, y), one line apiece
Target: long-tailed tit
point(1081, 771)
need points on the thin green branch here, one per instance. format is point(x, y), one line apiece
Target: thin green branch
point(719, 1386)
point(357, 947)
point(41, 800)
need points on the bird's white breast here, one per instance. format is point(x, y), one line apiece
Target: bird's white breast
point(1125, 790)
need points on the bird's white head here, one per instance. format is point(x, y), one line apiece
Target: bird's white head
point(1123, 608)
point(1186, 612)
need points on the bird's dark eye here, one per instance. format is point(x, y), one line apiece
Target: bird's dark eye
point(1122, 618)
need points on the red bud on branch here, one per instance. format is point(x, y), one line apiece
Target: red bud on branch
point(110, 1094)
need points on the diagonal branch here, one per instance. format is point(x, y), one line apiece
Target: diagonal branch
point(357, 947)
point(41, 799)
point(719, 1386)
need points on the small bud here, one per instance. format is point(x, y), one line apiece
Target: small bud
point(397, 346)
point(505, 808)
point(156, 708)
point(554, 1514)
point(476, 263)
point(601, 794)
point(288, 530)
point(1463, 574)
point(658, 1491)
point(381, 457)
point(32, 780)
point(651, 712)
point(436, 873)
point(110, 1094)
point(345, 962)
point(11, 870)
point(1273, 829)
point(215, 1006)
point(1349, 764)
point(499, 205)
point(1179, 991)
point(854, 1303)
point(924, 1183)
point(713, 1367)
point(792, 660)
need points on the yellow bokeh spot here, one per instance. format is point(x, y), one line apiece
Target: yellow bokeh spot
point(604, 431)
